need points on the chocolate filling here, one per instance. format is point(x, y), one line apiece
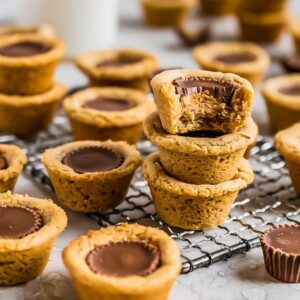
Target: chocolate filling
point(25, 48)
point(108, 104)
point(119, 61)
point(285, 238)
point(236, 58)
point(290, 90)
point(18, 221)
point(3, 163)
point(203, 134)
point(222, 91)
point(292, 64)
point(93, 159)
point(124, 259)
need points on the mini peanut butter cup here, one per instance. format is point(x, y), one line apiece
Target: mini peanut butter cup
point(281, 249)
point(93, 159)
point(108, 104)
point(17, 222)
point(24, 48)
point(125, 258)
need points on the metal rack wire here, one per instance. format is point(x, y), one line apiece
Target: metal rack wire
point(268, 201)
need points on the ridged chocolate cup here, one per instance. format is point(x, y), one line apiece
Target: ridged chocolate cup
point(281, 265)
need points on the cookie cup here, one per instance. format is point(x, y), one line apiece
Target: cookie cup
point(27, 115)
point(91, 124)
point(281, 265)
point(91, 286)
point(199, 111)
point(16, 160)
point(190, 206)
point(247, 154)
point(29, 75)
point(262, 28)
point(218, 7)
point(24, 259)
point(287, 143)
point(199, 160)
point(253, 70)
point(283, 109)
point(166, 13)
point(91, 192)
point(134, 75)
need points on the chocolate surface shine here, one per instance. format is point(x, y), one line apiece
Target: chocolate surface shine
point(203, 134)
point(217, 89)
point(93, 159)
point(290, 90)
point(124, 259)
point(108, 104)
point(18, 222)
point(23, 49)
point(119, 61)
point(285, 238)
point(236, 58)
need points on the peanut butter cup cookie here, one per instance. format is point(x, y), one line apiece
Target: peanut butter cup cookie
point(166, 13)
point(244, 59)
point(287, 143)
point(191, 206)
point(282, 95)
point(124, 67)
point(124, 262)
point(200, 157)
point(28, 229)
point(27, 115)
point(91, 176)
point(262, 28)
point(108, 113)
point(12, 161)
point(189, 100)
point(27, 63)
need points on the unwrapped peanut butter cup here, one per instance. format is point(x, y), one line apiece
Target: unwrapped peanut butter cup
point(281, 249)
point(126, 258)
point(17, 222)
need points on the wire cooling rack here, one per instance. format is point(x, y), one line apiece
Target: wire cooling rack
point(268, 201)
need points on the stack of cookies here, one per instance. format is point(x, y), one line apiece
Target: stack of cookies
point(202, 129)
point(262, 21)
point(28, 95)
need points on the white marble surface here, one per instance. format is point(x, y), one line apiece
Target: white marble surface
point(243, 276)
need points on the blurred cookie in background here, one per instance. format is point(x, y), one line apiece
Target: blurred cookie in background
point(166, 13)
